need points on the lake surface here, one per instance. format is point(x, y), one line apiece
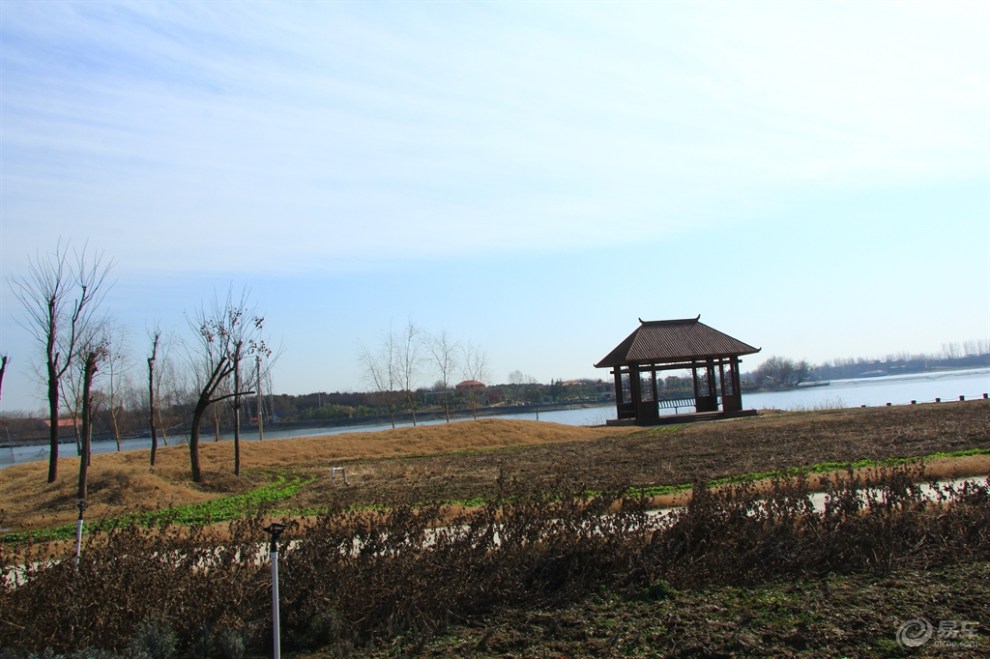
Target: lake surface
point(871, 392)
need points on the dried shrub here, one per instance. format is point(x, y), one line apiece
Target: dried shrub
point(357, 577)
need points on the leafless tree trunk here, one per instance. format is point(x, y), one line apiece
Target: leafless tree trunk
point(60, 300)
point(89, 372)
point(236, 360)
point(408, 364)
point(444, 355)
point(156, 337)
point(3, 369)
point(219, 371)
point(217, 412)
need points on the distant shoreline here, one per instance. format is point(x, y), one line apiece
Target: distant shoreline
point(403, 418)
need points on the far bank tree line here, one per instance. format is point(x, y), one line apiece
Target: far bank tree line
point(435, 402)
point(412, 371)
point(784, 373)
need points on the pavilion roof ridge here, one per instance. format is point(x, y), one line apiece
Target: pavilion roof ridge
point(677, 321)
point(672, 341)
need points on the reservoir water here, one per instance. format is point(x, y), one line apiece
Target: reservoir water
point(871, 392)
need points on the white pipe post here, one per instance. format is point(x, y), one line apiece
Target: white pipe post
point(260, 400)
point(276, 531)
point(79, 532)
point(276, 632)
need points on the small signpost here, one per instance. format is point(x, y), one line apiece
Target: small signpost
point(338, 471)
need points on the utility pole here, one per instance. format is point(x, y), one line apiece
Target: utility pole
point(261, 399)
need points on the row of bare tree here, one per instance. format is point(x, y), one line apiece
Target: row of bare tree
point(395, 369)
point(62, 294)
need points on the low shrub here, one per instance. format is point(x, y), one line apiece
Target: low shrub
point(356, 577)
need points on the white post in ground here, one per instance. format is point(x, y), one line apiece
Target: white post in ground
point(260, 400)
point(275, 530)
point(79, 532)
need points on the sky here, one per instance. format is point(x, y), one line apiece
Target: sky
point(812, 178)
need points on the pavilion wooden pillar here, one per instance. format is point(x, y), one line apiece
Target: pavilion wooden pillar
point(647, 409)
point(732, 399)
point(707, 400)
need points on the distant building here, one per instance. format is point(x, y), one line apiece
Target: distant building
point(62, 423)
point(467, 385)
point(66, 427)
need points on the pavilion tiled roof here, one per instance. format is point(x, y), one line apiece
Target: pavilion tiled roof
point(671, 341)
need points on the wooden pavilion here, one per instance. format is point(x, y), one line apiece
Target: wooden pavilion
point(666, 345)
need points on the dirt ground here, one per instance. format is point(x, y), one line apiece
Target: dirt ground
point(838, 616)
point(681, 454)
point(464, 460)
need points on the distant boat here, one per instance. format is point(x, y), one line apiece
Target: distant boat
point(878, 373)
point(813, 383)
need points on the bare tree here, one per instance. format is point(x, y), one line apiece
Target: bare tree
point(60, 299)
point(212, 368)
point(245, 340)
point(408, 365)
point(156, 337)
point(443, 356)
point(165, 386)
point(781, 373)
point(260, 398)
point(117, 364)
point(381, 371)
point(474, 366)
point(217, 358)
point(393, 370)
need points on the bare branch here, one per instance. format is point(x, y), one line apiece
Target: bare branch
point(60, 300)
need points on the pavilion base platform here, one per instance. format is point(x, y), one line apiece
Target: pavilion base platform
point(688, 417)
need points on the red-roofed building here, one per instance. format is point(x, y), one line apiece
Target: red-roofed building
point(469, 384)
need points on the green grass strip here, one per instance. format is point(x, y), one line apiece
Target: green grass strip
point(215, 510)
point(239, 505)
point(790, 472)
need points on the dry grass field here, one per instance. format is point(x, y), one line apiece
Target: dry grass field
point(463, 460)
point(124, 482)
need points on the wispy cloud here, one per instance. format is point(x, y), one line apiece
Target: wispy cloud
point(177, 133)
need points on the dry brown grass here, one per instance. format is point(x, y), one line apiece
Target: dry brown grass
point(124, 482)
point(462, 460)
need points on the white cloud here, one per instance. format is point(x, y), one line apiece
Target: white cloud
point(348, 131)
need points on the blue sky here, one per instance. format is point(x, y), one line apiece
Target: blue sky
point(812, 178)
